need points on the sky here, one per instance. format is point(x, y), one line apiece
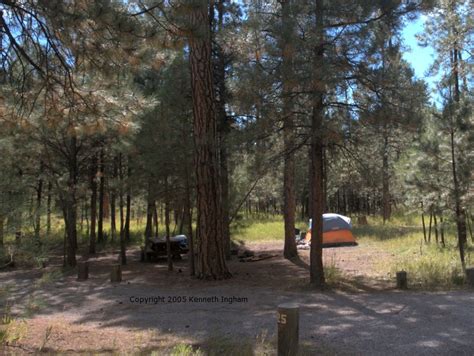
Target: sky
point(419, 57)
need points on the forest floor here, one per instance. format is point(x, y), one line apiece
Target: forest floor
point(361, 313)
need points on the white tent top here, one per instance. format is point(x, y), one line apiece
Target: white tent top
point(334, 222)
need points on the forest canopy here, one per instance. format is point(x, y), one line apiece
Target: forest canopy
point(207, 112)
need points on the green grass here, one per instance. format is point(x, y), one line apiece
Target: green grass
point(429, 266)
point(31, 252)
point(269, 228)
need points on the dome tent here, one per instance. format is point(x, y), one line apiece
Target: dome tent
point(336, 231)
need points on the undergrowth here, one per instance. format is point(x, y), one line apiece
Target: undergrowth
point(428, 265)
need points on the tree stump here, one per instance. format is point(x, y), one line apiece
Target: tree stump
point(402, 282)
point(116, 273)
point(82, 271)
point(362, 220)
point(288, 329)
point(470, 276)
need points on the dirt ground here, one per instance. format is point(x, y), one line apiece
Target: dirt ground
point(363, 314)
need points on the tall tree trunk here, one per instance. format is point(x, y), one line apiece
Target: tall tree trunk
point(189, 220)
point(121, 201)
point(70, 205)
point(211, 256)
point(459, 210)
point(223, 131)
point(2, 229)
point(100, 220)
point(128, 202)
point(316, 178)
point(442, 229)
point(123, 251)
point(460, 216)
point(18, 214)
point(325, 181)
point(113, 223)
point(83, 212)
point(39, 192)
point(93, 186)
point(48, 210)
point(423, 223)
point(113, 199)
point(289, 208)
point(181, 222)
point(386, 199)
point(86, 213)
point(429, 228)
point(167, 227)
point(150, 209)
point(155, 220)
point(63, 208)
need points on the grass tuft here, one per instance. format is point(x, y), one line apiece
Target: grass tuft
point(270, 228)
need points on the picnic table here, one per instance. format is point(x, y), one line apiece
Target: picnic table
point(155, 247)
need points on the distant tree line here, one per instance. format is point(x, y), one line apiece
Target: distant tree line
point(193, 112)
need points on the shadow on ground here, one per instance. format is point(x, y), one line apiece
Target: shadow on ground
point(354, 318)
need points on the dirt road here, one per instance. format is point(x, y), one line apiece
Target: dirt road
point(154, 308)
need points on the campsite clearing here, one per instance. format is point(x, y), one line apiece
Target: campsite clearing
point(153, 309)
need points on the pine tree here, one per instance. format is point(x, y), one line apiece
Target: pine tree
point(449, 31)
point(211, 255)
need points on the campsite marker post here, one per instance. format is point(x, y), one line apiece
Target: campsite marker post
point(402, 282)
point(288, 329)
point(470, 276)
point(82, 271)
point(116, 273)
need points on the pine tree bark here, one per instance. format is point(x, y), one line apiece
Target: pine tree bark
point(423, 223)
point(189, 221)
point(429, 228)
point(39, 192)
point(123, 248)
point(150, 208)
point(442, 230)
point(70, 205)
point(223, 132)
point(86, 213)
point(289, 207)
point(155, 220)
point(93, 212)
point(83, 212)
point(167, 227)
point(113, 199)
point(317, 278)
point(128, 202)
point(386, 205)
point(48, 209)
point(211, 257)
point(121, 201)
point(459, 210)
point(2, 230)
point(100, 218)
